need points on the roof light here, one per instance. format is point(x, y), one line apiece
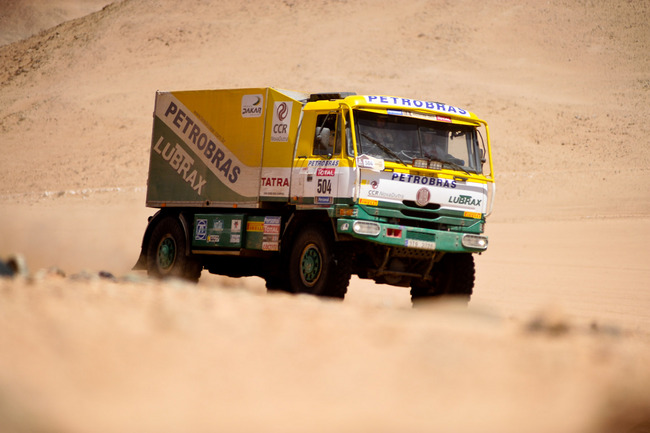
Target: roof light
point(420, 163)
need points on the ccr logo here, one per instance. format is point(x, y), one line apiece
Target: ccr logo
point(282, 111)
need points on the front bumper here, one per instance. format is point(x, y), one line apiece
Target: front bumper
point(411, 237)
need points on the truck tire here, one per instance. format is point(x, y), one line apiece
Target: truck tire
point(277, 283)
point(452, 276)
point(167, 252)
point(316, 266)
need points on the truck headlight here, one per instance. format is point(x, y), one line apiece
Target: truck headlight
point(474, 241)
point(366, 228)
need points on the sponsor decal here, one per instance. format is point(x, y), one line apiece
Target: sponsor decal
point(281, 121)
point(251, 105)
point(345, 227)
point(214, 239)
point(235, 226)
point(368, 202)
point(217, 225)
point(272, 220)
point(271, 237)
point(323, 200)
point(255, 226)
point(201, 229)
point(323, 163)
point(326, 172)
point(416, 103)
point(424, 180)
point(270, 246)
point(465, 200)
point(235, 239)
point(422, 197)
point(374, 184)
point(194, 135)
point(394, 112)
point(384, 194)
point(271, 225)
point(275, 181)
point(375, 164)
point(182, 162)
point(475, 215)
point(443, 119)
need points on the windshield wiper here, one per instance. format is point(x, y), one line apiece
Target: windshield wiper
point(455, 166)
point(384, 148)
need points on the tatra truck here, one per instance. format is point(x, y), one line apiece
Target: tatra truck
point(305, 190)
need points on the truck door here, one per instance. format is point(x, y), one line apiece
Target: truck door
point(317, 166)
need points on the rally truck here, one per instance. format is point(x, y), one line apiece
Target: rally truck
point(305, 190)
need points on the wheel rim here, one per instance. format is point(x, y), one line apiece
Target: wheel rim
point(166, 253)
point(310, 265)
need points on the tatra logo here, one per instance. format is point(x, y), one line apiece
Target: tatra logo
point(465, 200)
point(275, 181)
point(422, 197)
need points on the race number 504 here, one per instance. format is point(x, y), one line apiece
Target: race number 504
point(324, 186)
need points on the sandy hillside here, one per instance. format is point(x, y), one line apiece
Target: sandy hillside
point(556, 338)
point(20, 19)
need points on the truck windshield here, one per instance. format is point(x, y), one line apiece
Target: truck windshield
point(402, 139)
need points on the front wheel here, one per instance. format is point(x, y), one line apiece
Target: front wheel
point(452, 276)
point(317, 266)
point(167, 252)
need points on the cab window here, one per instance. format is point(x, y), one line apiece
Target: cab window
point(326, 139)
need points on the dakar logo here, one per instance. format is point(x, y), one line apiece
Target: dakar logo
point(251, 106)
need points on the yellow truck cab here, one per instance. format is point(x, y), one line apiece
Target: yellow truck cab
point(305, 190)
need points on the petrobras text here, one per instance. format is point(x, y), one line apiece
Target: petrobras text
point(416, 103)
point(193, 133)
point(424, 180)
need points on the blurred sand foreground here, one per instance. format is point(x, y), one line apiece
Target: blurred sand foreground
point(556, 338)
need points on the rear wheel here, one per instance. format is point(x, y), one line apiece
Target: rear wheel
point(167, 252)
point(452, 276)
point(317, 266)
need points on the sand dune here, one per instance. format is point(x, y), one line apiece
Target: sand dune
point(556, 336)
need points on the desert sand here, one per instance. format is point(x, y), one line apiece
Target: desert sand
point(556, 337)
